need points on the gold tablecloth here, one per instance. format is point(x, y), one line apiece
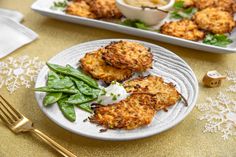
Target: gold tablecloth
point(186, 139)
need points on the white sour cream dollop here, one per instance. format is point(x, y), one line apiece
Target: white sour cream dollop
point(114, 93)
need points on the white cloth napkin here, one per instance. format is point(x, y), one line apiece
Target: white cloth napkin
point(14, 15)
point(13, 35)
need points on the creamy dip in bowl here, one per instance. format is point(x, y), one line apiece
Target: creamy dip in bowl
point(149, 3)
point(151, 12)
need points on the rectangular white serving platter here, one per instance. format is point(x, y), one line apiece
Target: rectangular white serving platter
point(43, 8)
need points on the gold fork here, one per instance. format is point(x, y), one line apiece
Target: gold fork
point(19, 123)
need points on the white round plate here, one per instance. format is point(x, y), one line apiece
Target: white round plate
point(166, 64)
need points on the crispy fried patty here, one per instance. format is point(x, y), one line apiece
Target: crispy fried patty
point(185, 29)
point(95, 9)
point(135, 111)
point(234, 7)
point(104, 8)
point(93, 64)
point(164, 94)
point(226, 5)
point(80, 8)
point(128, 55)
point(214, 20)
point(148, 95)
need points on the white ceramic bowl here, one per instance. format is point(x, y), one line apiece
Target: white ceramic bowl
point(148, 16)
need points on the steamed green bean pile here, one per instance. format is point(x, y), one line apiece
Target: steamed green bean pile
point(69, 88)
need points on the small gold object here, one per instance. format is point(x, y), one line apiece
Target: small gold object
point(213, 79)
point(18, 123)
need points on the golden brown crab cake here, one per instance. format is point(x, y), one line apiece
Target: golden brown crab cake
point(80, 8)
point(128, 55)
point(214, 20)
point(225, 5)
point(133, 112)
point(185, 29)
point(187, 3)
point(164, 94)
point(105, 9)
point(93, 64)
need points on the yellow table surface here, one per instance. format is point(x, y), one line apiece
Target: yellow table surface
point(186, 139)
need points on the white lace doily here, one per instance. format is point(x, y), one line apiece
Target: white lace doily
point(219, 112)
point(19, 72)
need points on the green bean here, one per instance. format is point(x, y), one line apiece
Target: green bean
point(72, 90)
point(51, 77)
point(79, 98)
point(67, 110)
point(83, 87)
point(65, 82)
point(85, 107)
point(58, 82)
point(64, 96)
point(96, 92)
point(51, 98)
point(68, 70)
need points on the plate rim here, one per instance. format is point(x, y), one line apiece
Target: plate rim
point(129, 138)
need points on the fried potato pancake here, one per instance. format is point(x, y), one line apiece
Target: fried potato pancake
point(128, 55)
point(234, 7)
point(214, 20)
point(105, 9)
point(164, 94)
point(131, 113)
point(185, 29)
point(93, 64)
point(80, 8)
point(225, 5)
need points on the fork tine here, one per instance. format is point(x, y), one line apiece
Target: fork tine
point(9, 119)
point(14, 112)
point(4, 119)
point(8, 111)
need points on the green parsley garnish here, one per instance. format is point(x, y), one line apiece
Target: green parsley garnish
point(217, 40)
point(190, 10)
point(175, 15)
point(135, 24)
point(59, 5)
point(178, 5)
point(180, 12)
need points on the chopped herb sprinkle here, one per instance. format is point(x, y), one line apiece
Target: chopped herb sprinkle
point(99, 101)
point(114, 98)
point(103, 92)
point(113, 82)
